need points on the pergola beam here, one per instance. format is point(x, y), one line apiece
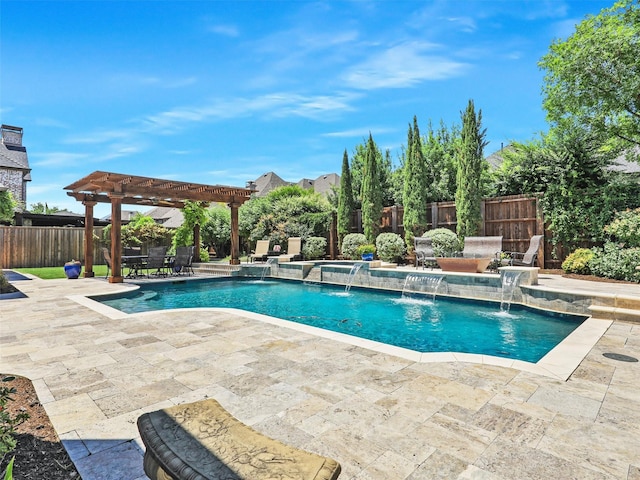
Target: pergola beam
point(118, 189)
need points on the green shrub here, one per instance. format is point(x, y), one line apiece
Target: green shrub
point(445, 242)
point(204, 255)
point(390, 247)
point(314, 247)
point(366, 249)
point(350, 244)
point(4, 283)
point(625, 228)
point(615, 262)
point(578, 262)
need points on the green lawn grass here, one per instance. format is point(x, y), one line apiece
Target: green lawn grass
point(50, 273)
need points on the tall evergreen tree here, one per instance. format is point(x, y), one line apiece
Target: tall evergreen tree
point(416, 189)
point(470, 161)
point(371, 193)
point(345, 201)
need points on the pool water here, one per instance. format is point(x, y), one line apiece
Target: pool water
point(418, 323)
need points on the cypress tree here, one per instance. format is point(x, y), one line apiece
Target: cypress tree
point(468, 180)
point(415, 190)
point(345, 201)
point(371, 193)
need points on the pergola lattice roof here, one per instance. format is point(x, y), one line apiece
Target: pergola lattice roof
point(136, 190)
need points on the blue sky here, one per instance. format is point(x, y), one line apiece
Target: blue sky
point(221, 92)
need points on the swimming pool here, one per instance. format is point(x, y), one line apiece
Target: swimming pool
point(415, 323)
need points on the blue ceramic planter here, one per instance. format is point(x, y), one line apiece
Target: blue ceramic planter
point(367, 257)
point(72, 269)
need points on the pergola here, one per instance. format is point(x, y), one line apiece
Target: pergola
point(118, 189)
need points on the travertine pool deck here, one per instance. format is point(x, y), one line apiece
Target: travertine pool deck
point(381, 414)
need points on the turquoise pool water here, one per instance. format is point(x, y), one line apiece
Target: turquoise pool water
point(419, 324)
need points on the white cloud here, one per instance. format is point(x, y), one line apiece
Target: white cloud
point(403, 65)
point(224, 30)
point(53, 159)
point(359, 132)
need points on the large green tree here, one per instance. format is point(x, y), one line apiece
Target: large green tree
point(43, 209)
point(345, 201)
point(7, 206)
point(593, 77)
point(216, 230)
point(385, 172)
point(470, 160)
point(580, 194)
point(416, 186)
point(371, 193)
point(289, 211)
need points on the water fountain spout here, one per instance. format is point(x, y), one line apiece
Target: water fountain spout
point(510, 281)
point(422, 283)
point(352, 274)
point(268, 267)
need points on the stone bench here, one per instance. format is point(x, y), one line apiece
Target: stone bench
point(202, 441)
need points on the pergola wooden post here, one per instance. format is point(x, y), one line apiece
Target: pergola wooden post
point(88, 238)
point(235, 241)
point(118, 189)
point(116, 238)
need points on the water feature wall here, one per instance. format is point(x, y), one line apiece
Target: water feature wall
point(481, 286)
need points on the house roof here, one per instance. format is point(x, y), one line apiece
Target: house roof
point(322, 185)
point(12, 154)
point(167, 217)
point(267, 182)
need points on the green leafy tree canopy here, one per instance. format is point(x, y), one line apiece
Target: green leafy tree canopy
point(593, 77)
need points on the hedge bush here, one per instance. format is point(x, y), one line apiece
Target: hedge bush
point(615, 262)
point(578, 262)
point(445, 242)
point(350, 244)
point(314, 247)
point(390, 247)
point(625, 228)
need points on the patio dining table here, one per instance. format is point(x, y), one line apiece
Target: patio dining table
point(137, 263)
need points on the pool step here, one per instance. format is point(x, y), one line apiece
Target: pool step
point(215, 269)
point(615, 313)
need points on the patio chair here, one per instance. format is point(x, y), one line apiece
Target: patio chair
point(424, 251)
point(528, 258)
point(261, 252)
point(182, 262)
point(157, 261)
point(134, 261)
point(107, 259)
point(294, 250)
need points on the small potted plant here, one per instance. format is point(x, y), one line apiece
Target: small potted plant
point(366, 251)
point(72, 269)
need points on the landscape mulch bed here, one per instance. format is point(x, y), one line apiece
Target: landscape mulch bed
point(39, 453)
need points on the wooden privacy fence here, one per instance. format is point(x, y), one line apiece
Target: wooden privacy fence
point(44, 246)
point(516, 218)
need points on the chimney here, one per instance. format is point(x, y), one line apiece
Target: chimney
point(12, 135)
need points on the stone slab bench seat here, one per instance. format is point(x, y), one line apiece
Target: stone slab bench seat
point(201, 440)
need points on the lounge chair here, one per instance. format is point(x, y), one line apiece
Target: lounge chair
point(424, 251)
point(182, 263)
point(294, 250)
point(261, 252)
point(157, 261)
point(482, 247)
point(528, 258)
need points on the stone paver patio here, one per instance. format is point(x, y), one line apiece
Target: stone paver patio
point(379, 415)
